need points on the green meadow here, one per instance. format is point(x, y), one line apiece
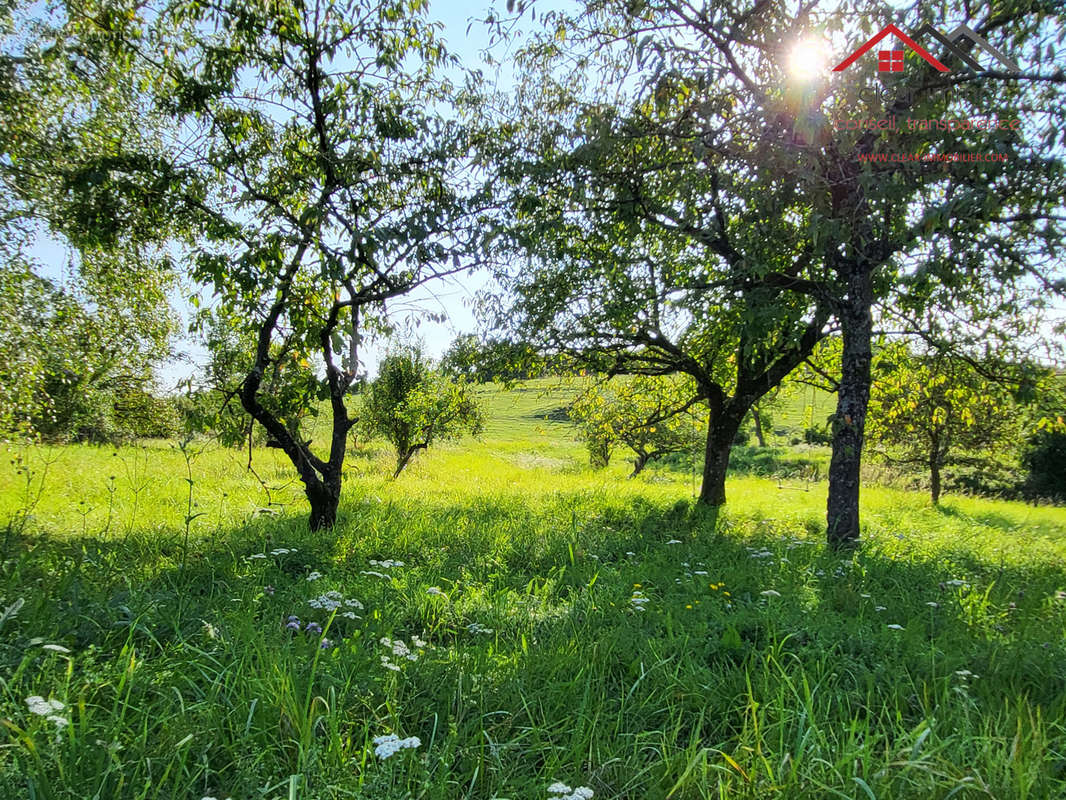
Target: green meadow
point(173, 631)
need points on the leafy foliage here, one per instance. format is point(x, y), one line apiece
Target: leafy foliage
point(927, 407)
point(412, 405)
point(653, 417)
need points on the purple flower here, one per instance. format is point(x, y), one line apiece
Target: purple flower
point(313, 627)
point(326, 644)
point(294, 625)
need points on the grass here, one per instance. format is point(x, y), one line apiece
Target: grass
point(582, 628)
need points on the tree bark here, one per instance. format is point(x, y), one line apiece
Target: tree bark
point(639, 463)
point(934, 470)
point(324, 499)
point(849, 424)
point(725, 421)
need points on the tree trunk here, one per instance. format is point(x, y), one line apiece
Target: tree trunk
point(934, 471)
point(639, 463)
point(849, 424)
point(722, 428)
point(757, 417)
point(324, 500)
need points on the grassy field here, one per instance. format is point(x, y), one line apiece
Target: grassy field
point(547, 624)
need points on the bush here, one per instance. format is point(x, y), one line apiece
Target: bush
point(1045, 460)
point(817, 435)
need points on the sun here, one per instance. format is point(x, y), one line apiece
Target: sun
point(807, 59)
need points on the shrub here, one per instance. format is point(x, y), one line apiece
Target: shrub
point(1045, 460)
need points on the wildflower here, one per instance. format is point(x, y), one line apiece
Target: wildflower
point(326, 644)
point(254, 556)
point(932, 604)
point(879, 608)
point(965, 673)
point(268, 590)
point(894, 627)
point(865, 596)
point(477, 627)
point(770, 593)
point(674, 541)
point(386, 564)
point(436, 591)
point(700, 572)
point(375, 574)
point(57, 648)
point(282, 551)
point(330, 601)
point(314, 576)
point(292, 624)
point(688, 606)
point(353, 603)
point(43, 708)
point(385, 746)
point(313, 627)
point(387, 664)
point(564, 792)
point(630, 553)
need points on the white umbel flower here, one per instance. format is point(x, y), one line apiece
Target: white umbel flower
point(385, 746)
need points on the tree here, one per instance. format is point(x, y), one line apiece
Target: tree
point(80, 340)
point(413, 406)
point(926, 407)
point(319, 166)
point(653, 417)
point(492, 359)
point(697, 166)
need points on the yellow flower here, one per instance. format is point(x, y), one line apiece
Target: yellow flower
point(727, 594)
point(636, 585)
point(688, 606)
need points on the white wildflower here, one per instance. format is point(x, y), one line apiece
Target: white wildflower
point(282, 551)
point(880, 608)
point(932, 604)
point(57, 648)
point(564, 792)
point(254, 556)
point(314, 576)
point(375, 574)
point(386, 564)
point(955, 582)
point(385, 746)
point(700, 572)
point(387, 664)
point(770, 593)
point(330, 601)
point(674, 541)
point(894, 627)
point(38, 705)
point(436, 590)
point(353, 603)
point(477, 627)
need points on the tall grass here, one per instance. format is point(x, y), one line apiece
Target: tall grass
point(574, 627)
